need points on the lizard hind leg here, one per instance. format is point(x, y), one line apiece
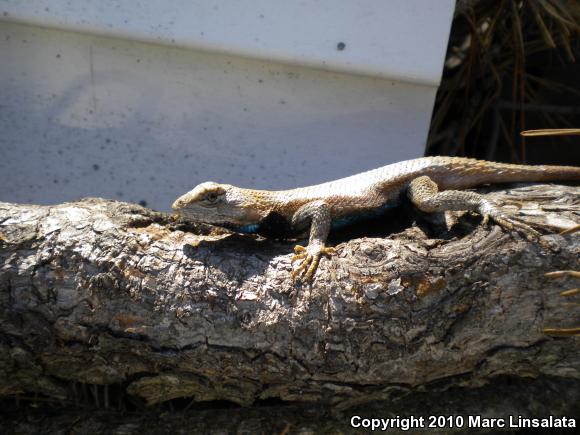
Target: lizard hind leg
point(425, 194)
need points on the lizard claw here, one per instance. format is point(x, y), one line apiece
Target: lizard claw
point(310, 257)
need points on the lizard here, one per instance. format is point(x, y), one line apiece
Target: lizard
point(433, 184)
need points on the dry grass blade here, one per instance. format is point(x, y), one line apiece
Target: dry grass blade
point(542, 25)
point(552, 132)
point(571, 230)
point(562, 332)
point(551, 10)
point(562, 274)
point(570, 9)
point(553, 85)
point(506, 54)
point(565, 40)
point(517, 28)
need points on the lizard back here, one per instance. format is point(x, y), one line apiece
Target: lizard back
point(374, 189)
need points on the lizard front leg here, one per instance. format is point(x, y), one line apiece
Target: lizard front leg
point(424, 193)
point(317, 214)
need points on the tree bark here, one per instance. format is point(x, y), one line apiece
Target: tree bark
point(113, 294)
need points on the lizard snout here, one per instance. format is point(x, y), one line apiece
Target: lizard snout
point(178, 204)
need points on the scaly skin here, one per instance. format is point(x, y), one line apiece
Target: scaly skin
point(292, 212)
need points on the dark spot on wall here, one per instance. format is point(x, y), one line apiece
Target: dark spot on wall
point(340, 46)
point(143, 203)
point(96, 167)
point(58, 56)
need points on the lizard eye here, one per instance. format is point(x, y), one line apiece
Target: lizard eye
point(211, 197)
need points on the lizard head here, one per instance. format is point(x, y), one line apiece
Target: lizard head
point(220, 204)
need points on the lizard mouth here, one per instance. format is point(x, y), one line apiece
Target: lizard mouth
point(215, 219)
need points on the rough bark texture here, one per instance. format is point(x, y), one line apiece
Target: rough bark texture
point(112, 294)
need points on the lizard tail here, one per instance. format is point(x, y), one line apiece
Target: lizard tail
point(481, 172)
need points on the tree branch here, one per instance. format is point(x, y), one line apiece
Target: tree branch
point(108, 293)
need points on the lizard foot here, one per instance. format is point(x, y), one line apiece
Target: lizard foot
point(309, 258)
point(510, 223)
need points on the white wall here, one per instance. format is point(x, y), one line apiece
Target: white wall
point(396, 39)
point(88, 115)
point(84, 115)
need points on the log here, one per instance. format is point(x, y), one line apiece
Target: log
point(110, 294)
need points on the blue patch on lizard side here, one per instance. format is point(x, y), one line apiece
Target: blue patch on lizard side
point(249, 229)
point(345, 221)
point(276, 226)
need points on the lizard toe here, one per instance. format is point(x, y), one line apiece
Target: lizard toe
point(512, 223)
point(306, 261)
point(298, 257)
point(309, 258)
point(312, 268)
point(299, 249)
point(485, 219)
point(328, 251)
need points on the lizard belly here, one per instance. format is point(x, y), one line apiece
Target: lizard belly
point(278, 226)
point(274, 225)
point(357, 216)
